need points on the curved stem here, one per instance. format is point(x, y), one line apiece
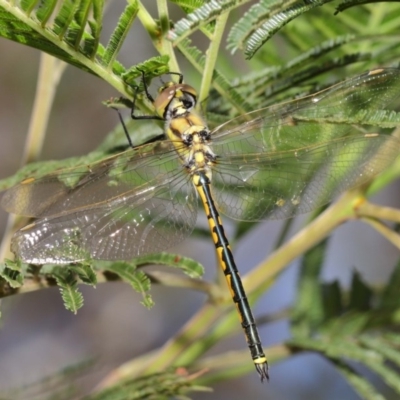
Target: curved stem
point(155, 361)
point(212, 54)
point(235, 363)
point(50, 72)
point(261, 277)
point(148, 23)
point(367, 209)
point(384, 230)
point(165, 44)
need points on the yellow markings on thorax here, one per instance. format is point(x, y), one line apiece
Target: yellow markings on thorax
point(199, 157)
point(190, 123)
point(195, 119)
point(189, 126)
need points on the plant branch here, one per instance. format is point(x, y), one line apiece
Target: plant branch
point(149, 24)
point(384, 230)
point(49, 35)
point(165, 44)
point(50, 72)
point(235, 363)
point(367, 209)
point(164, 357)
point(212, 55)
point(265, 273)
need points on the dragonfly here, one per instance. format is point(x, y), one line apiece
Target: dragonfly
point(276, 162)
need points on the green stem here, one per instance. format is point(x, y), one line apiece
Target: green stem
point(392, 236)
point(149, 24)
point(223, 367)
point(50, 72)
point(259, 279)
point(165, 44)
point(199, 64)
point(370, 210)
point(212, 55)
point(193, 331)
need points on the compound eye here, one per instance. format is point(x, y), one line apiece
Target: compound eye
point(188, 103)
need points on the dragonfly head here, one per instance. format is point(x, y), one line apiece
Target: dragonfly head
point(175, 100)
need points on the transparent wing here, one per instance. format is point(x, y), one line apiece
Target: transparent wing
point(84, 186)
point(282, 185)
point(295, 157)
point(137, 203)
point(282, 127)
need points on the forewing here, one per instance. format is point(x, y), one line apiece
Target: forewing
point(71, 189)
point(282, 185)
point(125, 208)
point(295, 157)
point(284, 126)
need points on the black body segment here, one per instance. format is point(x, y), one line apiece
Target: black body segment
point(227, 263)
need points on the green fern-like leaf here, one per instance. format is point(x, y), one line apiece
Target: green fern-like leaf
point(120, 32)
point(137, 279)
point(85, 274)
point(69, 30)
point(66, 281)
point(187, 265)
point(13, 273)
point(45, 11)
point(28, 5)
point(189, 5)
point(347, 328)
point(352, 3)
point(263, 20)
point(389, 299)
point(65, 385)
point(60, 385)
point(200, 17)
point(161, 386)
point(154, 66)
point(65, 17)
point(357, 381)
point(308, 310)
point(351, 349)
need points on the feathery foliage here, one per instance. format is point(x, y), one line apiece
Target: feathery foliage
point(295, 48)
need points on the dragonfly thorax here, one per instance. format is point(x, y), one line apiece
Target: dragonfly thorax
point(192, 141)
point(186, 129)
